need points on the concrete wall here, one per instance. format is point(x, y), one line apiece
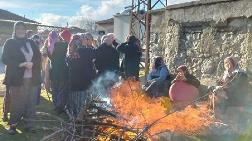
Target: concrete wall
point(121, 27)
point(200, 34)
point(108, 28)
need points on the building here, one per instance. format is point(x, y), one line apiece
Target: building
point(202, 33)
point(105, 26)
point(121, 26)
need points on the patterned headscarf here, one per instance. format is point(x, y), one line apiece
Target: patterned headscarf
point(52, 39)
point(235, 65)
point(74, 43)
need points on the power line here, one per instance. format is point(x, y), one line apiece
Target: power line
point(30, 23)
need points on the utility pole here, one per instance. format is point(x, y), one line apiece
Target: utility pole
point(147, 50)
point(141, 18)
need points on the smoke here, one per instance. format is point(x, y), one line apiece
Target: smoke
point(101, 86)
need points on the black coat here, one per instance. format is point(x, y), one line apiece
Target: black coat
point(12, 56)
point(131, 60)
point(107, 58)
point(237, 89)
point(58, 67)
point(82, 70)
point(192, 80)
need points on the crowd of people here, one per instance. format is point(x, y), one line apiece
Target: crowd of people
point(67, 64)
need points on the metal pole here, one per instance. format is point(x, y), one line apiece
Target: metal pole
point(131, 18)
point(148, 26)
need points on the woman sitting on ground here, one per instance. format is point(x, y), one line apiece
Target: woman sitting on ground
point(184, 87)
point(184, 75)
point(233, 86)
point(231, 96)
point(158, 79)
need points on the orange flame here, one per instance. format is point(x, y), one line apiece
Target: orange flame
point(137, 110)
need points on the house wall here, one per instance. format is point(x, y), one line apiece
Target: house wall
point(201, 34)
point(121, 27)
point(108, 28)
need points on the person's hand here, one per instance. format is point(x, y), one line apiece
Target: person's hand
point(180, 77)
point(22, 64)
point(29, 65)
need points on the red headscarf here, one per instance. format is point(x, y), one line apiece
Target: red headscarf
point(65, 35)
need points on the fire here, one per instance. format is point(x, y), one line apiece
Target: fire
point(137, 111)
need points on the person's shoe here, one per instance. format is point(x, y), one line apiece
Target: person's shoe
point(12, 131)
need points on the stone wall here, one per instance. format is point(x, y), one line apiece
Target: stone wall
point(201, 34)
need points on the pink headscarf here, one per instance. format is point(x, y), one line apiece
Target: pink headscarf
point(52, 39)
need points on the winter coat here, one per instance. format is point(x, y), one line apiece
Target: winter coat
point(58, 67)
point(82, 70)
point(107, 58)
point(12, 57)
point(131, 60)
point(160, 74)
point(237, 89)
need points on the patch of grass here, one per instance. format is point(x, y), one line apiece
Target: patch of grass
point(43, 127)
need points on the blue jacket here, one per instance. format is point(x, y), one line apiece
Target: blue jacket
point(159, 74)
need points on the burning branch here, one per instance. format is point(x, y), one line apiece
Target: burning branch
point(134, 105)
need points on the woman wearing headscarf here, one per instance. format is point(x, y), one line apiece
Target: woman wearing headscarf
point(232, 95)
point(183, 74)
point(234, 83)
point(158, 79)
point(81, 73)
point(37, 40)
point(22, 59)
point(56, 50)
point(184, 88)
point(107, 57)
point(65, 35)
point(73, 45)
point(83, 40)
point(132, 52)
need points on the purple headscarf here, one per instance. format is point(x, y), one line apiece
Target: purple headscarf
point(52, 39)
